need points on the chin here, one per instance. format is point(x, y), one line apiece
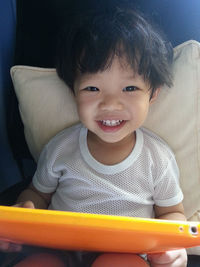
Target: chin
point(111, 139)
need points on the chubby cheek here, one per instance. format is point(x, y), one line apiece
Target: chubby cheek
point(85, 111)
point(139, 110)
point(82, 113)
point(80, 109)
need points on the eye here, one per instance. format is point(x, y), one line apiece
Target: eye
point(91, 89)
point(130, 88)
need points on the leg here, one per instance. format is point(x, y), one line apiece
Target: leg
point(41, 260)
point(40, 257)
point(119, 260)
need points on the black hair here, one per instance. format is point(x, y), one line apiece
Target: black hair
point(92, 41)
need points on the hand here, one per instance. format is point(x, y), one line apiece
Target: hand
point(7, 246)
point(172, 258)
point(26, 204)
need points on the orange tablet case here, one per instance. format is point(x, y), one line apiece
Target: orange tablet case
point(79, 231)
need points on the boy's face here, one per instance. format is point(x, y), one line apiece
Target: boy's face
point(112, 104)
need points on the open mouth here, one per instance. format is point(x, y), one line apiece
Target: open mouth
point(111, 125)
point(111, 122)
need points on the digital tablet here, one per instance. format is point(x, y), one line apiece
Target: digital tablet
point(91, 232)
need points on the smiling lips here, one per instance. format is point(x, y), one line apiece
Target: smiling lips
point(111, 122)
point(111, 125)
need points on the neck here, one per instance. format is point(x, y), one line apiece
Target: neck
point(110, 153)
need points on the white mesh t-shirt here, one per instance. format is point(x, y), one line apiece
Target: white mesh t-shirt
point(148, 176)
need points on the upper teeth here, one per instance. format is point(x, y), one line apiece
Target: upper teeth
point(111, 122)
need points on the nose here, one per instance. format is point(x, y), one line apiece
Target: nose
point(111, 102)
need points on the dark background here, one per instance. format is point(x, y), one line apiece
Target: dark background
point(40, 21)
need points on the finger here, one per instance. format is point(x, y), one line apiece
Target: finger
point(163, 258)
point(13, 247)
point(4, 245)
point(9, 247)
point(176, 263)
point(175, 258)
point(27, 204)
point(160, 258)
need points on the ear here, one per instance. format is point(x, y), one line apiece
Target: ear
point(155, 94)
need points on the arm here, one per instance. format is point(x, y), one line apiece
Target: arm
point(32, 198)
point(178, 257)
point(29, 198)
point(170, 213)
point(40, 200)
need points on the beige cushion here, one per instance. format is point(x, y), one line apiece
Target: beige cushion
point(47, 106)
point(175, 116)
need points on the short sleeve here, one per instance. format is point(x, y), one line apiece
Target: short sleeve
point(46, 178)
point(167, 191)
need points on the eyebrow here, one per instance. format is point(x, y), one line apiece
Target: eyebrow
point(130, 77)
point(86, 76)
point(134, 76)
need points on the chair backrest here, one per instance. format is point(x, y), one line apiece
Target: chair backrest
point(9, 171)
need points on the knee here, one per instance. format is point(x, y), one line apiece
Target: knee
point(41, 260)
point(119, 260)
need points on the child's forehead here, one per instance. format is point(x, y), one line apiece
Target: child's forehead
point(103, 77)
point(117, 65)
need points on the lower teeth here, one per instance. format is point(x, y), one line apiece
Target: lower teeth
point(111, 123)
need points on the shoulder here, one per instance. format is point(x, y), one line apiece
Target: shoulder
point(67, 138)
point(160, 157)
point(156, 145)
point(67, 133)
